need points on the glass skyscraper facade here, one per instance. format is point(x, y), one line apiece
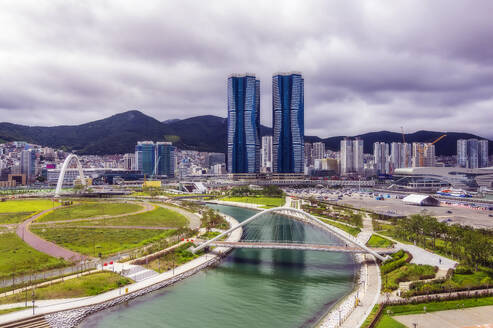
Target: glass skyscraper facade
point(243, 124)
point(155, 158)
point(145, 157)
point(165, 157)
point(288, 120)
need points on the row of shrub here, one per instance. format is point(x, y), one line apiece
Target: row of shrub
point(398, 259)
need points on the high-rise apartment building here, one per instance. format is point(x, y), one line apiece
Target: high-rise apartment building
point(346, 156)
point(483, 153)
point(472, 153)
point(462, 160)
point(358, 163)
point(351, 156)
point(129, 161)
point(27, 164)
point(308, 154)
point(381, 157)
point(266, 154)
point(400, 155)
point(423, 155)
point(243, 124)
point(288, 123)
point(318, 151)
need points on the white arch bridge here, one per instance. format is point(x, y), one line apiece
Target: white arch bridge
point(65, 166)
point(352, 244)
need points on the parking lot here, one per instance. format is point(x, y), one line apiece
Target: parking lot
point(396, 207)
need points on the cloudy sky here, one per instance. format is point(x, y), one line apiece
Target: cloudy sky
point(368, 65)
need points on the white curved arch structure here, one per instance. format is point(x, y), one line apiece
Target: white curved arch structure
point(65, 165)
point(298, 215)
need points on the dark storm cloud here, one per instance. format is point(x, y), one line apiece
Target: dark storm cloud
point(368, 65)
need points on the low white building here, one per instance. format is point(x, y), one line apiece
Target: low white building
point(421, 200)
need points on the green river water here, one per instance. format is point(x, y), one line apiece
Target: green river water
point(250, 288)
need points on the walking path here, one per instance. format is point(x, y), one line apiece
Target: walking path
point(422, 256)
point(43, 245)
point(355, 307)
point(146, 208)
point(46, 283)
point(481, 316)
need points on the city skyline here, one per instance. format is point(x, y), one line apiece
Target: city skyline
point(369, 71)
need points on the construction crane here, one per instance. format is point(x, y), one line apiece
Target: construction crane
point(422, 150)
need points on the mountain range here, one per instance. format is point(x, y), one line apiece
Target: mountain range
point(119, 133)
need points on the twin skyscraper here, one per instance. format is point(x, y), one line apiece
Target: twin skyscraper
point(244, 138)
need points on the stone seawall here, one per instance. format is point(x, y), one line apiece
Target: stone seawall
point(71, 318)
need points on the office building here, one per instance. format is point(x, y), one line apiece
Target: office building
point(472, 153)
point(381, 157)
point(165, 159)
point(145, 157)
point(288, 123)
point(155, 159)
point(266, 154)
point(243, 124)
point(27, 164)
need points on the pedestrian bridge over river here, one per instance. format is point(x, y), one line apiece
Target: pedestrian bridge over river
point(349, 244)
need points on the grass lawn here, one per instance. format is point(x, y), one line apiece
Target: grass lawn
point(348, 229)
point(407, 272)
point(90, 285)
point(16, 256)
point(439, 306)
point(267, 202)
point(13, 218)
point(210, 234)
point(370, 317)
point(160, 217)
point(173, 258)
point(377, 241)
point(88, 210)
point(5, 311)
point(105, 241)
point(26, 205)
point(471, 280)
point(386, 321)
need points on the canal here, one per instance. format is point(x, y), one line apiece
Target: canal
point(250, 288)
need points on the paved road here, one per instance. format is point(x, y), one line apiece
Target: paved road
point(481, 316)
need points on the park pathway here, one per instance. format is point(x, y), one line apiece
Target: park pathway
point(146, 208)
point(55, 250)
point(43, 245)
